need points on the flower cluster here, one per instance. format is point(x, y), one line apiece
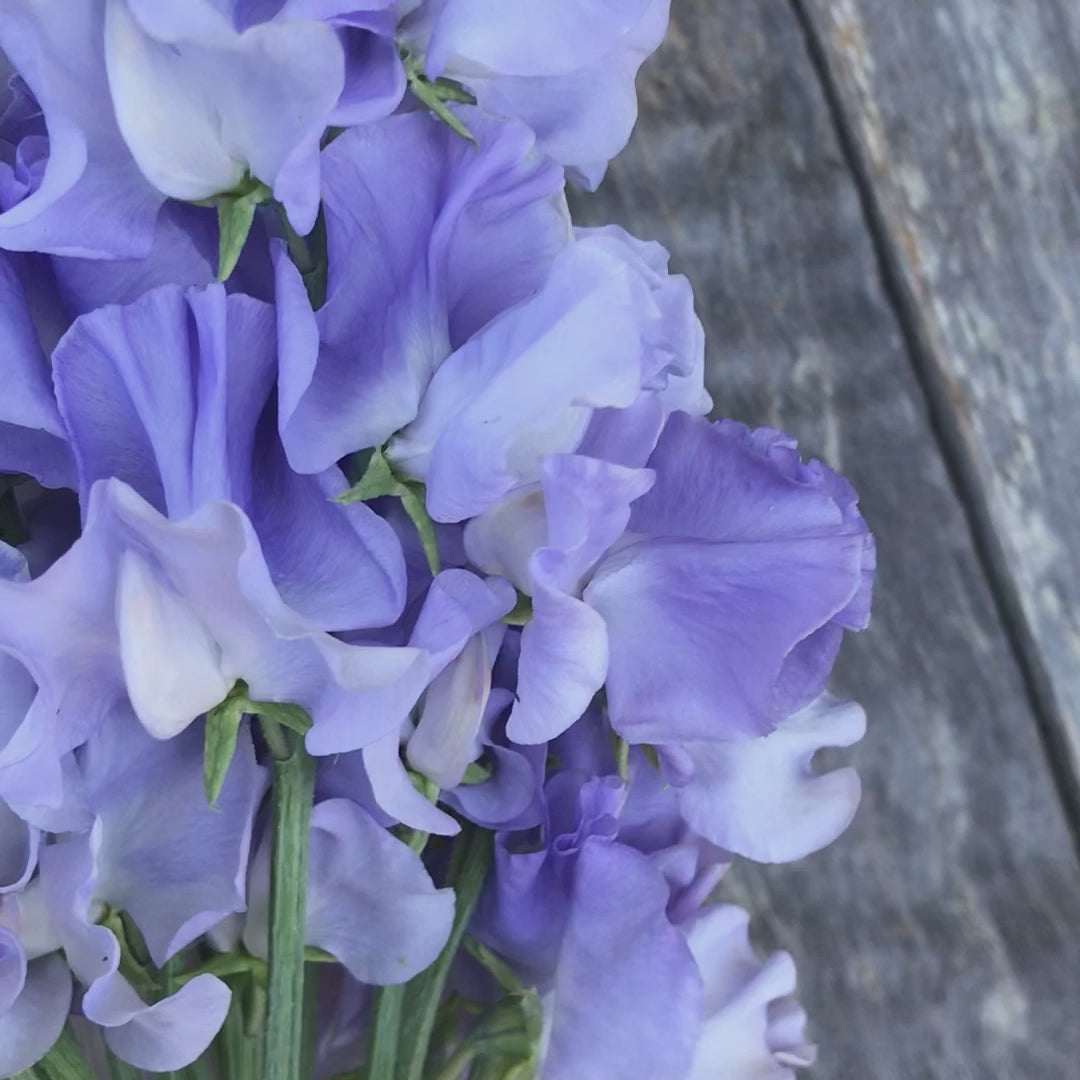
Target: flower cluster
point(365, 547)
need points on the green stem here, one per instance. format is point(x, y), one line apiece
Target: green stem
point(468, 871)
point(386, 1015)
point(293, 794)
point(461, 1059)
point(240, 1049)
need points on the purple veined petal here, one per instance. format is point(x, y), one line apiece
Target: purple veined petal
point(371, 903)
point(753, 1027)
point(699, 632)
point(510, 396)
point(149, 797)
point(32, 435)
point(523, 910)
point(179, 427)
point(455, 236)
point(508, 799)
point(330, 10)
point(56, 45)
point(762, 799)
point(214, 561)
point(744, 495)
point(340, 566)
point(198, 428)
point(33, 1022)
point(231, 104)
point(627, 997)
point(394, 791)
point(447, 736)
point(532, 37)
point(18, 850)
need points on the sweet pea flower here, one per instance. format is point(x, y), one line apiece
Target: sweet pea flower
point(186, 99)
point(147, 798)
point(707, 593)
point(451, 236)
point(565, 67)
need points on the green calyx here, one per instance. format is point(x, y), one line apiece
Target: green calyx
point(378, 480)
point(436, 93)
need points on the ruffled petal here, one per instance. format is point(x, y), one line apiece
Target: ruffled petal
point(627, 997)
point(761, 798)
point(754, 1029)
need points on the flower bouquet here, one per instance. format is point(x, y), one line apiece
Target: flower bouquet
point(393, 657)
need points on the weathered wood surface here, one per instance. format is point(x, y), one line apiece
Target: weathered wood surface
point(964, 121)
point(940, 938)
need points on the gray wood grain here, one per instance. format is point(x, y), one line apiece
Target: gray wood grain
point(938, 939)
point(964, 118)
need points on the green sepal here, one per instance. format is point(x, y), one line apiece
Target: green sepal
point(379, 481)
point(521, 612)
point(499, 969)
point(222, 729)
point(476, 773)
point(293, 717)
point(435, 93)
point(236, 212)
point(135, 963)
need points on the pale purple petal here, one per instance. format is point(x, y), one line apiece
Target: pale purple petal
point(699, 632)
point(526, 385)
point(167, 1035)
point(452, 235)
point(174, 1032)
point(57, 47)
point(32, 1024)
point(395, 793)
point(203, 106)
point(370, 901)
point(149, 798)
point(762, 798)
point(753, 1027)
point(567, 68)
point(564, 646)
point(18, 849)
point(32, 436)
point(627, 997)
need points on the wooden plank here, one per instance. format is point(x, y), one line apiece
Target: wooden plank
point(937, 940)
point(964, 123)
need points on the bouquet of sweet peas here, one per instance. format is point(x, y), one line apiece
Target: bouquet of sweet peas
point(393, 656)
